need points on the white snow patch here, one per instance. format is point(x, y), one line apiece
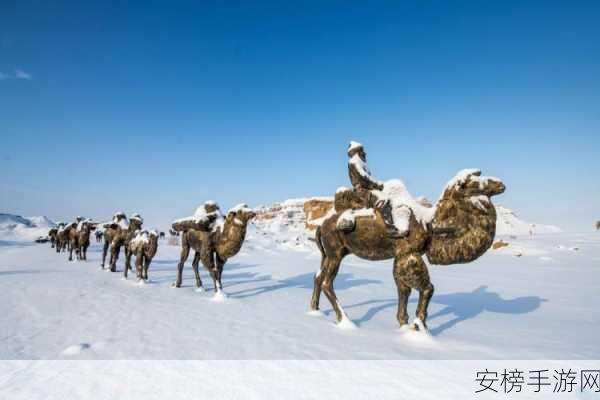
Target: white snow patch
point(75, 349)
point(219, 297)
point(395, 191)
point(346, 323)
point(354, 145)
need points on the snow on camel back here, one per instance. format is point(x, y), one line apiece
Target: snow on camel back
point(207, 217)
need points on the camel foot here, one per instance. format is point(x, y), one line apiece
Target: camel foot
point(415, 326)
point(315, 313)
point(220, 296)
point(346, 323)
point(175, 285)
point(200, 289)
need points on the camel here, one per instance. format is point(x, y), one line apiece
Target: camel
point(52, 235)
point(213, 247)
point(62, 237)
point(98, 235)
point(161, 235)
point(598, 225)
point(123, 234)
point(110, 231)
point(79, 238)
point(144, 245)
point(458, 230)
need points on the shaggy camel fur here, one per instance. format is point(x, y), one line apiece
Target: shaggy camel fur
point(143, 245)
point(79, 238)
point(214, 248)
point(462, 229)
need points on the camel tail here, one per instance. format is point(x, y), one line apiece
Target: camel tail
point(318, 241)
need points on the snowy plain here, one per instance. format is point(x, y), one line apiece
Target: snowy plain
point(539, 305)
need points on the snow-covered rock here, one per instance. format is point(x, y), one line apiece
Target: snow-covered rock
point(23, 229)
point(508, 223)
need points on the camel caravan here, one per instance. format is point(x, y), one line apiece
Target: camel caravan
point(373, 220)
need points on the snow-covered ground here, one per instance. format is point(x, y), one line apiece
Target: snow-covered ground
point(539, 305)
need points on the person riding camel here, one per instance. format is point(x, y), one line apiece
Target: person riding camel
point(364, 183)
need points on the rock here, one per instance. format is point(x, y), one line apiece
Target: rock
point(315, 209)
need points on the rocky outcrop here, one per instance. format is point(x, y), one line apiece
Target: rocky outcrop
point(293, 214)
point(315, 210)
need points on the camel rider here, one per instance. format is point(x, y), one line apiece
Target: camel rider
point(364, 183)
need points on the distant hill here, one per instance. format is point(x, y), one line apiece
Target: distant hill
point(17, 228)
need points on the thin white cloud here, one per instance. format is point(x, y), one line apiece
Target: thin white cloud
point(20, 74)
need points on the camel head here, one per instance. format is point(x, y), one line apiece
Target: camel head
point(135, 222)
point(464, 224)
point(86, 225)
point(240, 215)
point(469, 183)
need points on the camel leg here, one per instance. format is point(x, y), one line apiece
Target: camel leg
point(115, 248)
point(104, 251)
point(147, 261)
point(403, 295)
point(412, 272)
point(185, 252)
point(196, 272)
point(330, 271)
point(128, 255)
point(219, 264)
point(207, 258)
point(139, 267)
point(318, 280)
point(71, 252)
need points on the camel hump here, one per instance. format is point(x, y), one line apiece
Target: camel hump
point(185, 224)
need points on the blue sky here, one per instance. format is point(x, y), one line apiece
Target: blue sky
point(157, 107)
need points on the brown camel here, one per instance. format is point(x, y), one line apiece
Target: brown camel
point(79, 238)
point(144, 245)
point(122, 236)
point(110, 231)
point(52, 235)
point(213, 247)
point(62, 237)
point(459, 230)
